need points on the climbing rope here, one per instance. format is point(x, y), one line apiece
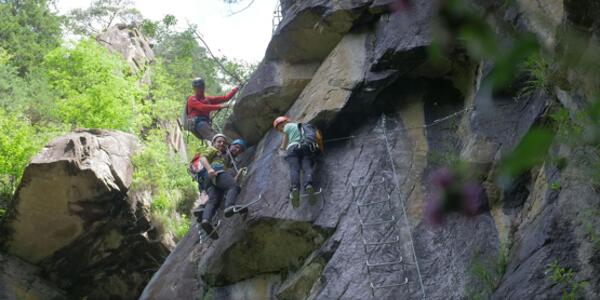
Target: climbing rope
point(435, 122)
point(402, 205)
point(214, 57)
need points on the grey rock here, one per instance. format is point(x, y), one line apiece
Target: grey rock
point(20, 280)
point(391, 116)
point(73, 217)
point(128, 42)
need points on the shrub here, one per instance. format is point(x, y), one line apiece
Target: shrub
point(95, 88)
point(164, 174)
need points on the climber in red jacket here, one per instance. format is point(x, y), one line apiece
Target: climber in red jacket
point(199, 107)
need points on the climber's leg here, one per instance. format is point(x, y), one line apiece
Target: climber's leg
point(214, 197)
point(203, 129)
point(293, 159)
point(226, 183)
point(308, 167)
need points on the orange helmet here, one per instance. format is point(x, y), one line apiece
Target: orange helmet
point(280, 120)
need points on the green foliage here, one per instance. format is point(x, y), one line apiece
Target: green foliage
point(18, 143)
point(486, 275)
point(581, 130)
point(166, 101)
point(538, 69)
point(101, 14)
point(593, 233)
point(28, 30)
point(94, 87)
point(165, 175)
point(531, 151)
point(459, 24)
point(564, 277)
point(159, 30)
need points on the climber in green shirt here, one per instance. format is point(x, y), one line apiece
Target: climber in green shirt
point(300, 157)
point(217, 182)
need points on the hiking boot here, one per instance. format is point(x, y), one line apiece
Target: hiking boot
point(198, 213)
point(209, 229)
point(295, 197)
point(310, 191)
point(229, 211)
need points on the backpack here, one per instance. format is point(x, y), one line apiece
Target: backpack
point(310, 135)
point(186, 123)
point(195, 167)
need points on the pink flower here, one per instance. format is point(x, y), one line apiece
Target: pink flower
point(471, 198)
point(400, 5)
point(434, 211)
point(441, 178)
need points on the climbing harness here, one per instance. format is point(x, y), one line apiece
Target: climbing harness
point(402, 204)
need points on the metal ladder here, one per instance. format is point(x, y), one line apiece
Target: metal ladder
point(277, 16)
point(369, 226)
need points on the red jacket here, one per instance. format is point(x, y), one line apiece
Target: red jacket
point(203, 106)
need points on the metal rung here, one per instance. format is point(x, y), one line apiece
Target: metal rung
point(389, 263)
point(373, 203)
point(389, 285)
point(392, 220)
point(370, 184)
point(381, 243)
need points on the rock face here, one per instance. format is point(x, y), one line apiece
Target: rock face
point(19, 280)
point(391, 118)
point(128, 42)
point(72, 217)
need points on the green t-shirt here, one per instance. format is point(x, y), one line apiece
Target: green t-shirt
point(214, 157)
point(293, 134)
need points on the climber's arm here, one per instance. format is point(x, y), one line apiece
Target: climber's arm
point(221, 99)
point(284, 142)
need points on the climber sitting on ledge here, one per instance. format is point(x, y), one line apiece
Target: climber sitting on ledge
point(301, 143)
point(217, 183)
point(199, 106)
point(232, 164)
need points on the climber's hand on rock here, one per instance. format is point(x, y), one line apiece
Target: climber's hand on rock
point(224, 105)
point(280, 152)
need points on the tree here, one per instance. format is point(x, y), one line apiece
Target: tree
point(28, 30)
point(94, 87)
point(101, 14)
point(17, 145)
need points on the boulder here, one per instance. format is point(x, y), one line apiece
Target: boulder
point(85, 232)
point(20, 280)
point(130, 43)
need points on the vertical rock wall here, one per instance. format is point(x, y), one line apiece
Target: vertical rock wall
point(391, 116)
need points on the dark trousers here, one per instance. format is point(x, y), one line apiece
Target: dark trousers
point(301, 158)
point(224, 185)
point(203, 129)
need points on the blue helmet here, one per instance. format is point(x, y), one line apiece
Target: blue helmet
point(240, 142)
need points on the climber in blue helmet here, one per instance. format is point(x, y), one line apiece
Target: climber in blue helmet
point(232, 161)
point(220, 160)
point(237, 147)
